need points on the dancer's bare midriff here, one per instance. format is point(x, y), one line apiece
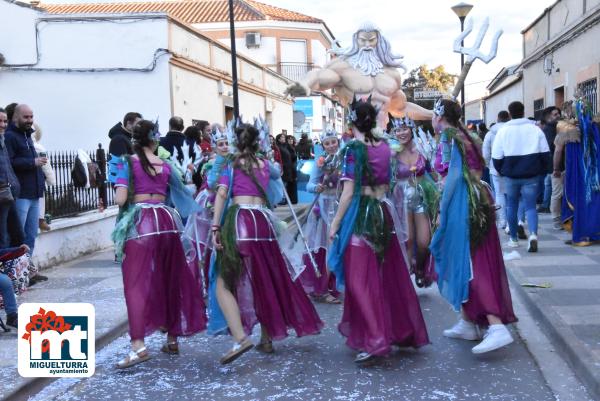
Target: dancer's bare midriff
point(377, 191)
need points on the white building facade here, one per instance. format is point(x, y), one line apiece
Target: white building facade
point(561, 55)
point(81, 73)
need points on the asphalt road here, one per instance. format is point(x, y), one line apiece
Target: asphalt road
point(315, 368)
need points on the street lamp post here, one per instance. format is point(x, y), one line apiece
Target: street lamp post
point(234, 77)
point(461, 10)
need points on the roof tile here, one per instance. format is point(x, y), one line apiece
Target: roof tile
point(189, 11)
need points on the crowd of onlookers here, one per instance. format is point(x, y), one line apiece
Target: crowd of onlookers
point(525, 170)
point(285, 149)
point(24, 170)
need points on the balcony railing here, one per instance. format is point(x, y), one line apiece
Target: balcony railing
point(294, 71)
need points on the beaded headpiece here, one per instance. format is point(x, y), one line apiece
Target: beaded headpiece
point(397, 123)
point(328, 133)
point(219, 135)
point(264, 140)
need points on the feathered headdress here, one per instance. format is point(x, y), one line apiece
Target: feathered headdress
point(264, 142)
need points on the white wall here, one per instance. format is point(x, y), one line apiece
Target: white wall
point(195, 97)
point(474, 110)
point(74, 237)
point(76, 109)
point(16, 24)
point(265, 54)
point(500, 101)
point(319, 53)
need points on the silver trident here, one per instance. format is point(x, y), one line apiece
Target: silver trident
point(474, 52)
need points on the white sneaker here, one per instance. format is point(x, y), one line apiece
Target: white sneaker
point(363, 357)
point(533, 242)
point(463, 330)
point(512, 243)
point(496, 337)
point(507, 230)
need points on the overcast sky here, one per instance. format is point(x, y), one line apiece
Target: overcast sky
point(423, 31)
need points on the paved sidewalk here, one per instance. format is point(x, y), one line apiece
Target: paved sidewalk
point(95, 279)
point(569, 311)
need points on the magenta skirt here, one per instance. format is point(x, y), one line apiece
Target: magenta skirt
point(381, 307)
point(162, 290)
point(318, 286)
point(489, 293)
point(265, 291)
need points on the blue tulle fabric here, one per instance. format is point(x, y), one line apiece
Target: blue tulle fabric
point(450, 245)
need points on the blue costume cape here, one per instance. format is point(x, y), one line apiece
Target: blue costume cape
point(216, 320)
point(450, 245)
point(335, 258)
point(581, 200)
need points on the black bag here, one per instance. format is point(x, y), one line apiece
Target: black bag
point(78, 175)
point(6, 194)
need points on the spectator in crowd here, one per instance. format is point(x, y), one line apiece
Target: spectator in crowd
point(550, 117)
point(174, 138)
point(7, 178)
point(291, 141)
point(10, 111)
point(205, 136)
point(275, 149)
point(288, 169)
point(482, 131)
point(28, 168)
point(566, 132)
point(14, 278)
point(120, 135)
point(495, 178)
point(520, 154)
point(304, 149)
point(48, 175)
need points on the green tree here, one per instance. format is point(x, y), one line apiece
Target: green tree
point(424, 78)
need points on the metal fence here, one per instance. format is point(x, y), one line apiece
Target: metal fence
point(295, 71)
point(589, 91)
point(65, 199)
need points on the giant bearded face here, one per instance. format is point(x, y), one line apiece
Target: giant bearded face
point(367, 40)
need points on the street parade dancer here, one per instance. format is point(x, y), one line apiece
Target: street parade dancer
point(251, 279)
point(323, 182)
point(381, 307)
point(468, 257)
point(415, 195)
point(162, 290)
point(198, 226)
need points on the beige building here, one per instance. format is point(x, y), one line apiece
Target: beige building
point(561, 55)
point(271, 41)
point(506, 87)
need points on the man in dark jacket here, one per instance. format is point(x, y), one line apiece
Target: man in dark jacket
point(7, 178)
point(27, 166)
point(120, 135)
point(174, 138)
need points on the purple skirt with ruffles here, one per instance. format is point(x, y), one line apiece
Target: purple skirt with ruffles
point(381, 307)
point(489, 293)
point(265, 291)
point(161, 289)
